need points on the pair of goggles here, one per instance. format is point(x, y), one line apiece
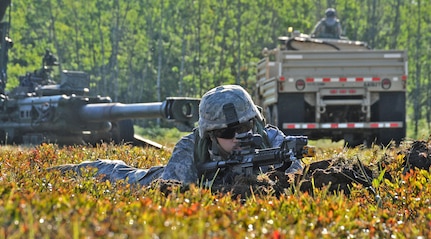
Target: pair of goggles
point(230, 132)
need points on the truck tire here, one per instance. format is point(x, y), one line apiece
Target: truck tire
point(3, 137)
point(391, 107)
point(352, 140)
point(274, 115)
point(267, 114)
point(271, 114)
point(122, 131)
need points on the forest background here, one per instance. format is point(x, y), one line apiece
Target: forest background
point(146, 50)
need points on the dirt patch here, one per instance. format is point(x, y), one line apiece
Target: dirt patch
point(338, 174)
point(418, 156)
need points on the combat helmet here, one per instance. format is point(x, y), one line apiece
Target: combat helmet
point(225, 106)
point(330, 12)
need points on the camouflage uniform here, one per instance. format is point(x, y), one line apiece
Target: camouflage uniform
point(329, 27)
point(199, 146)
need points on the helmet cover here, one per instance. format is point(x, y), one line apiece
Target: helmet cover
point(225, 106)
point(330, 12)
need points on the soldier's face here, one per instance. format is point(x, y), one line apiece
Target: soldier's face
point(228, 145)
point(227, 137)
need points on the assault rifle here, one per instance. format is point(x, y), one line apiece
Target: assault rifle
point(249, 158)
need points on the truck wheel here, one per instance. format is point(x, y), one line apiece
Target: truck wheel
point(271, 115)
point(267, 114)
point(354, 140)
point(274, 115)
point(122, 131)
point(3, 139)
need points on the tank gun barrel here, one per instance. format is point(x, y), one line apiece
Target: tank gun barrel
point(182, 110)
point(119, 111)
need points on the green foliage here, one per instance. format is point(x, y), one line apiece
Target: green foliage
point(144, 51)
point(168, 136)
point(128, 46)
point(36, 203)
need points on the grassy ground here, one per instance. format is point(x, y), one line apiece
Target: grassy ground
point(35, 203)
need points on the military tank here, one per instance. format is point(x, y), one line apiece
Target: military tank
point(40, 110)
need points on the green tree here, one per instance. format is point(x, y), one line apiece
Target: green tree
point(146, 50)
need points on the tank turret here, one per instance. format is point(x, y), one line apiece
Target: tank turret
point(41, 110)
point(76, 119)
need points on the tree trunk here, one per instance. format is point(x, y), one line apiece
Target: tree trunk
point(418, 93)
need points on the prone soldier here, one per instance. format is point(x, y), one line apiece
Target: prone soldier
point(225, 112)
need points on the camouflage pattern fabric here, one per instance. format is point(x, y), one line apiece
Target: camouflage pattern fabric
point(323, 29)
point(214, 110)
point(114, 170)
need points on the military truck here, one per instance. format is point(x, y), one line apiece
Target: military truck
point(63, 111)
point(334, 88)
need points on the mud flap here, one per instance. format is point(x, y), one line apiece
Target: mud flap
point(391, 107)
point(291, 110)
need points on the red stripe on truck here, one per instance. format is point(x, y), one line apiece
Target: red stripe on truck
point(351, 125)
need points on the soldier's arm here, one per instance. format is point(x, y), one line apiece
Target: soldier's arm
point(275, 136)
point(316, 29)
point(340, 29)
point(181, 165)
